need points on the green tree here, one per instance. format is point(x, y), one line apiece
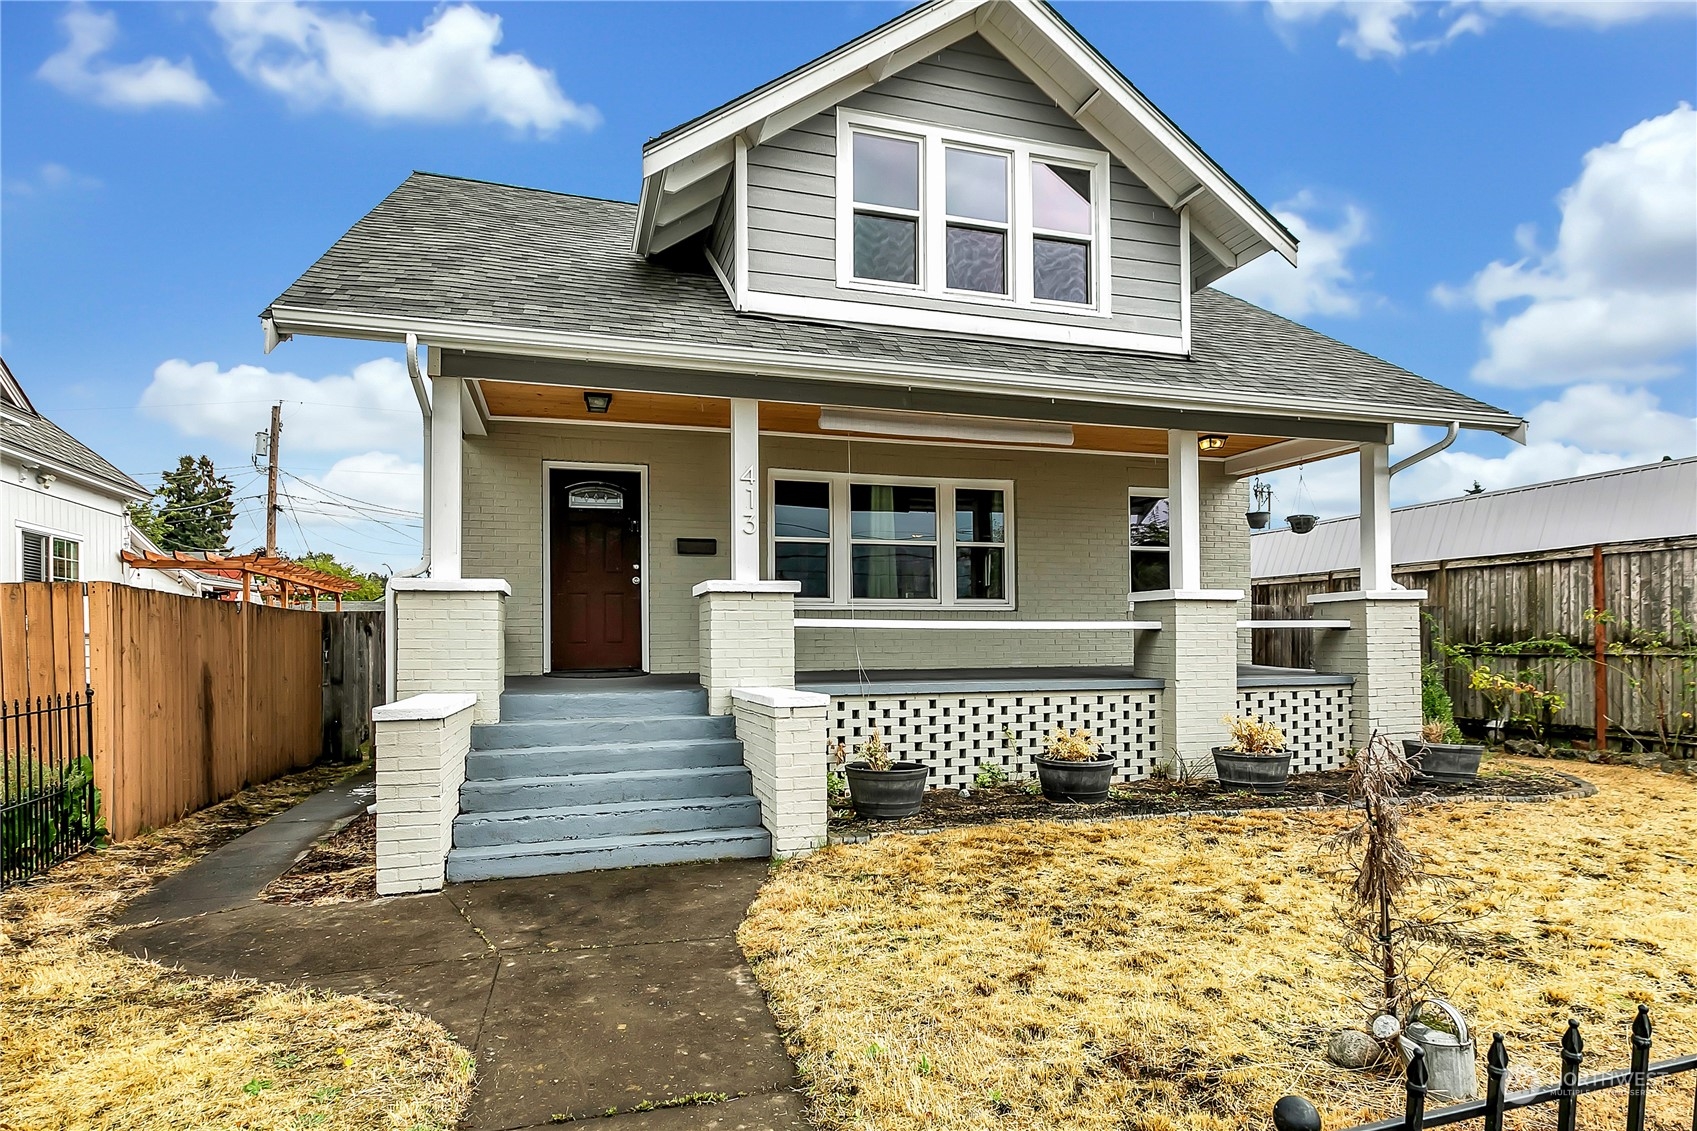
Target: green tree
point(370, 584)
point(193, 509)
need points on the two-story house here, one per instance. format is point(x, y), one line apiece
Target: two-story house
point(899, 399)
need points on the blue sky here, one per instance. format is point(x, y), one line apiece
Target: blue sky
point(1501, 196)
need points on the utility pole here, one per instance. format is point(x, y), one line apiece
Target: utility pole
point(271, 481)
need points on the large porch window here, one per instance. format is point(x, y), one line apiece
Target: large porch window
point(873, 541)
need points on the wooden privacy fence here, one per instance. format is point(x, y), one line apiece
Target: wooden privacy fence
point(194, 699)
point(1647, 590)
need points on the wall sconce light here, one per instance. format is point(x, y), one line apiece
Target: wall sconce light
point(598, 402)
point(1210, 443)
point(46, 479)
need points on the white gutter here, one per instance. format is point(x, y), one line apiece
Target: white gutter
point(391, 643)
point(1429, 452)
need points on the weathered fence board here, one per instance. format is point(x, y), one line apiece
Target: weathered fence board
point(195, 699)
point(1648, 587)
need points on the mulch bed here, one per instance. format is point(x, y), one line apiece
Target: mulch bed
point(341, 868)
point(947, 808)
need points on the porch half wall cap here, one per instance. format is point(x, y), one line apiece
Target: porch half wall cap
point(422, 708)
point(451, 585)
point(723, 585)
point(1187, 595)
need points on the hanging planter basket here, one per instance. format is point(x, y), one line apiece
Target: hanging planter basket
point(1260, 512)
point(1302, 523)
point(1258, 520)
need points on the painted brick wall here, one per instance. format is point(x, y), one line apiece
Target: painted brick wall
point(1070, 539)
point(420, 768)
point(1381, 649)
point(451, 641)
point(1198, 693)
point(748, 640)
point(783, 741)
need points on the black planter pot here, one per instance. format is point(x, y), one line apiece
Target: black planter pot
point(1258, 520)
point(1085, 782)
point(884, 795)
point(1302, 523)
point(1443, 761)
point(1263, 773)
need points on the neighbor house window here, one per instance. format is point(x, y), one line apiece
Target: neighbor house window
point(968, 216)
point(851, 539)
point(1150, 546)
point(46, 558)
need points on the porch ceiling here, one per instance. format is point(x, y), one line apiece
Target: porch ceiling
point(565, 402)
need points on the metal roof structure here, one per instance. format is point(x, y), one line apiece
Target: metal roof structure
point(1634, 504)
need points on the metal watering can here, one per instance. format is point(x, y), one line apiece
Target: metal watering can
point(1449, 1057)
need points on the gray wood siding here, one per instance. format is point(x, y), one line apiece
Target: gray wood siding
point(792, 192)
point(723, 243)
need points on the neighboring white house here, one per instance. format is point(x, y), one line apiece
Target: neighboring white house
point(62, 506)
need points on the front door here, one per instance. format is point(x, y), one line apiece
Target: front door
point(595, 559)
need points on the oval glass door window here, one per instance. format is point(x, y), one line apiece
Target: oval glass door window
point(595, 497)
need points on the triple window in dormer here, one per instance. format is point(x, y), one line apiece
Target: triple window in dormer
point(951, 214)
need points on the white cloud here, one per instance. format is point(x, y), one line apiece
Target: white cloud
point(1392, 28)
point(385, 482)
point(50, 177)
point(371, 408)
point(80, 70)
point(1587, 429)
point(449, 71)
point(1616, 297)
point(1323, 282)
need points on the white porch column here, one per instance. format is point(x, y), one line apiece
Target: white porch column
point(1375, 518)
point(1184, 512)
point(444, 492)
point(745, 490)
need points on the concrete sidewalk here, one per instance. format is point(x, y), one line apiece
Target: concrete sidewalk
point(579, 995)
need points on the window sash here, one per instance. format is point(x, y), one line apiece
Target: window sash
point(942, 547)
point(934, 219)
point(67, 565)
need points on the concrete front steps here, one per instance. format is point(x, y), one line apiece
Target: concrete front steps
point(579, 780)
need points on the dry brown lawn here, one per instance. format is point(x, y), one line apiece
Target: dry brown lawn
point(90, 1038)
point(1185, 973)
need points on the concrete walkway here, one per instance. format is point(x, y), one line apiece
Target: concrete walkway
point(579, 994)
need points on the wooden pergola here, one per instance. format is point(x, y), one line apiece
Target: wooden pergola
point(278, 578)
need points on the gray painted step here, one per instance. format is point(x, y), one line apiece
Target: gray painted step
point(555, 761)
point(588, 822)
point(555, 857)
point(587, 732)
point(524, 706)
point(603, 789)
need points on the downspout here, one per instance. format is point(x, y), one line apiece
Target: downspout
point(1427, 453)
point(392, 645)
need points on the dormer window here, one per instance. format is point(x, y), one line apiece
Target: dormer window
point(966, 216)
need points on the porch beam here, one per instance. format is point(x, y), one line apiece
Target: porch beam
point(900, 395)
point(1184, 511)
point(745, 490)
point(1376, 518)
point(447, 407)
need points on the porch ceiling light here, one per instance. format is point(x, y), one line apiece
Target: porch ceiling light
point(933, 426)
point(1211, 442)
point(598, 402)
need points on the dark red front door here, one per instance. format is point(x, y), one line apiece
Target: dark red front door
point(596, 566)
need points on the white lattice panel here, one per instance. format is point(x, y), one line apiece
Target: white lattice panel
point(1315, 721)
point(955, 734)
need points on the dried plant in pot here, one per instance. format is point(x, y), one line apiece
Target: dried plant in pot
point(882, 788)
point(1441, 756)
point(1256, 758)
point(1072, 767)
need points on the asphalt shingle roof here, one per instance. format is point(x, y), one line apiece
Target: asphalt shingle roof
point(40, 436)
point(446, 248)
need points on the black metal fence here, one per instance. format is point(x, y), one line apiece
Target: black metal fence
point(49, 807)
point(1293, 1113)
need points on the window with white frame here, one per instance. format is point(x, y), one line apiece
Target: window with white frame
point(870, 540)
point(966, 216)
point(1151, 550)
point(47, 558)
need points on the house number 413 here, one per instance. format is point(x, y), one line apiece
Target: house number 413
point(745, 509)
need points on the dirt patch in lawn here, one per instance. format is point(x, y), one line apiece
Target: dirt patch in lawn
point(1184, 974)
point(93, 1038)
point(1019, 801)
point(340, 868)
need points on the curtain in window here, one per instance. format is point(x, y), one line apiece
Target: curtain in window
point(881, 579)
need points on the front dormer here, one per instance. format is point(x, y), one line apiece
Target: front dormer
point(971, 168)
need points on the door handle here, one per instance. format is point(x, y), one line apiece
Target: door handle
point(636, 581)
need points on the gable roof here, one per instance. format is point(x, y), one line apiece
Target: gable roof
point(684, 170)
point(479, 266)
point(1633, 504)
point(25, 431)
